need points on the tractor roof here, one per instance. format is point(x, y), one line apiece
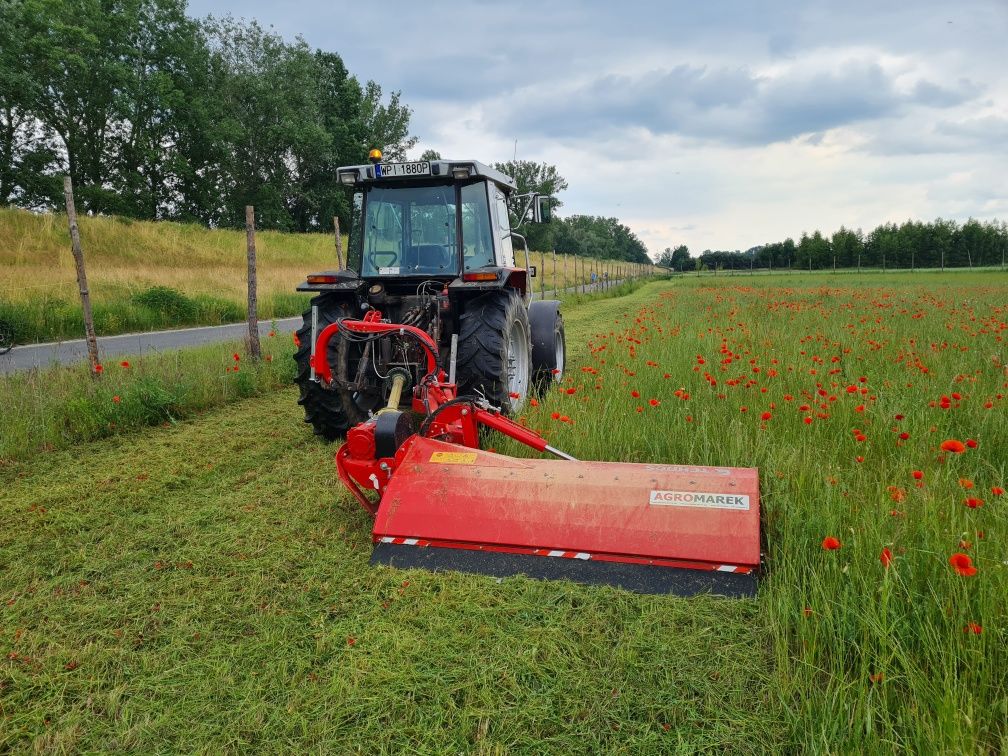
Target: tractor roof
point(365, 174)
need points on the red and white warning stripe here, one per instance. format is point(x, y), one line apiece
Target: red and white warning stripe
point(565, 554)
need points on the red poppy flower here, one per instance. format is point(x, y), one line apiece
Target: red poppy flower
point(807, 611)
point(877, 677)
point(564, 419)
point(635, 394)
point(808, 421)
point(954, 446)
point(271, 334)
point(99, 369)
point(555, 371)
point(971, 443)
point(571, 391)
point(886, 557)
point(297, 341)
point(534, 402)
point(972, 502)
point(962, 564)
point(830, 543)
point(350, 640)
point(917, 474)
point(124, 363)
point(116, 399)
point(965, 483)
point(765, 416)
point(997, 491)
point(653, 402)
point(859, 458)
point(236, 357)
point(904, 436)
point(973, 627)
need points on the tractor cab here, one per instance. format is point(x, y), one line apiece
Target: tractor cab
point(437, 219)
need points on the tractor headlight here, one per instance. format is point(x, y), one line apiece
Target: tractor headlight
point(348, 177)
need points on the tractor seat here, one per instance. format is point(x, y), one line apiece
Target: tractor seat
point(428, 258)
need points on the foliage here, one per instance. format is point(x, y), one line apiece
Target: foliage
point(676, 259)
point(156, 115)
point(913, 244)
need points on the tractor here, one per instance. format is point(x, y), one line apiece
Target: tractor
point(431, 245)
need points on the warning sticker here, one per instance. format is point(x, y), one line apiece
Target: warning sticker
point(699, 499)
point(453, 458)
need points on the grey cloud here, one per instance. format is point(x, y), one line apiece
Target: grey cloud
point(723, 104)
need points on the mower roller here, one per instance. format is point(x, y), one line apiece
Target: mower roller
point(441, 502)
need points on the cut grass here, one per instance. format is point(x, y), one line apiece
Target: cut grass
point(204, 586)
point(205, 269)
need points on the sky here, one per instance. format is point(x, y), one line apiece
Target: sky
point(718, 125)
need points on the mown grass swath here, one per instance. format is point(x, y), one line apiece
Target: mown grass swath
point(211, 588)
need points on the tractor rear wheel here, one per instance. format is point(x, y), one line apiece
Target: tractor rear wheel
point(495, 350)
point(325, 409)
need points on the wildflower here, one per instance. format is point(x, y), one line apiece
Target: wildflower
point(997, 491)
point(876, 678)
point(235, 357)
point(954, 446)
point(564, 419)
point(972, 502)
point(886, 557)
point(808, 421)
point(765, 416)
point(917, 474)
point(807, 611)
point(904, 436)
point(973, 627)
point(272, 334)
point(350, 640)
point(124, 363)
point(571, 390)
point(971, 443)
point(965, 483)
point(269, 358)
point(653, 402)
point(555, 415)
point(116, 399)
point(830, 543)
point(514, 395)
point(99, 369)
point(859, 458)
point(635, 394)
point(962, 564)
point(534, 402)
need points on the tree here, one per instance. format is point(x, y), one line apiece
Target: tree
point(386, 126)
point(429, 154)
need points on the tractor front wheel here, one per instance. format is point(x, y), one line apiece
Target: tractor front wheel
point(495, 351)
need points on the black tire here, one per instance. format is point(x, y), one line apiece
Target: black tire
point(6, 337)
point(325, 409)
point(549, 345)
point(493, 333)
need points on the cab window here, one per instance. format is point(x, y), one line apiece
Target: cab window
point(477, 237)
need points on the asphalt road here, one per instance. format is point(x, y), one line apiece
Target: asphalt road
point(69, 352)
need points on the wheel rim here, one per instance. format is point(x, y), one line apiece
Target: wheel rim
point(561, 352)
point(517, 364)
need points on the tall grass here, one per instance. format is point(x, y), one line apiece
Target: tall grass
point(128, 259)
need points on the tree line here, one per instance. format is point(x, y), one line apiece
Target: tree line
point(156, 115)
point(586, 235)
point(913, 244)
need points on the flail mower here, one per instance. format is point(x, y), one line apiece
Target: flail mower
point(429, 363)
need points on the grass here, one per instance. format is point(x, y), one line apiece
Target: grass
point(204, 586)
point(145, 275)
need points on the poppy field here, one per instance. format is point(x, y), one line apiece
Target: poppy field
point(205, 585)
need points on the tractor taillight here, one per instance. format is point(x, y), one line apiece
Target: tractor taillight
point(323, 278)
point(479, 276)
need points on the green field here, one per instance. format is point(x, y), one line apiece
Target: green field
point(204, 586)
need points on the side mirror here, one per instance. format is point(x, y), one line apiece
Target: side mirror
point(542, 209)
point(532, 271)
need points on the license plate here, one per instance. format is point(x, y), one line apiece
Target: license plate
point(397, 170)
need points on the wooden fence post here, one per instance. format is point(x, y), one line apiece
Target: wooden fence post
point(85, 295)
point(583, 277)
point(339, 242)
point(542, 275)
point(554, 274)
point(255, 349)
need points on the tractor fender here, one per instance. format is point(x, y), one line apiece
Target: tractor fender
point(546, 324)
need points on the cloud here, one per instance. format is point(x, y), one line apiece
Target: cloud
point(731, 105)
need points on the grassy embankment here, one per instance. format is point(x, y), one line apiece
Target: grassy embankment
point(205, 586)
point(145, 276)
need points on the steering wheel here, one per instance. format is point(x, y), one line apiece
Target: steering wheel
point(387, 252)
